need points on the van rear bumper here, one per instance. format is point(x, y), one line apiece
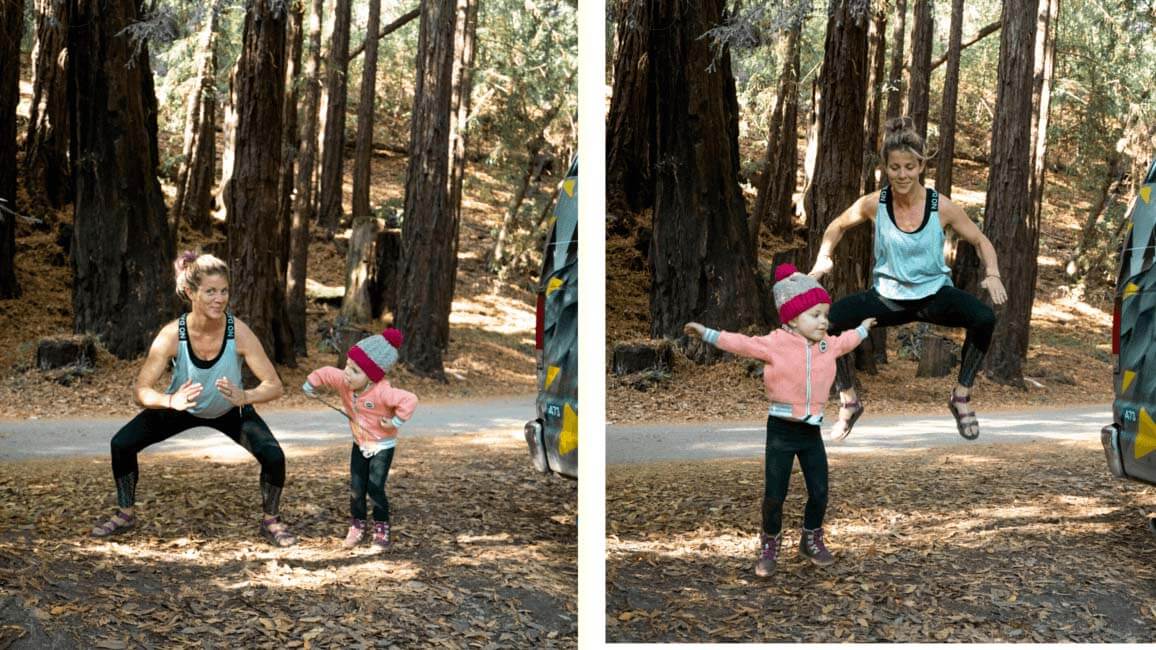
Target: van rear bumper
point(537, 447)
point(1110, 439)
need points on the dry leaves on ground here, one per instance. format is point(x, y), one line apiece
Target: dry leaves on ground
point(990, 543)
point(484, 555)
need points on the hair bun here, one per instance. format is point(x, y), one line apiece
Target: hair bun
point(186, 259)
point(785, 270)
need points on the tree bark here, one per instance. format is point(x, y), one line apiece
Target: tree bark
point(701, 256)
point(839, 157)
point(895, 78)
point(630, 121)
point(773, 206)
point(1010, 225)
point(1045, 58)
point(429, 232)
point(946, 159)
point(121, 249)
point(462, 80)
point(919, 96)
point(404, 20)
point(364, 141)
point(252, 209)
point(11, 28)
point(877, 45)
point(329, 208)
point(290, 133)
point(47, 172)
point(228, 142)
point(303, 213)
point(359, 263)
point(195, 179)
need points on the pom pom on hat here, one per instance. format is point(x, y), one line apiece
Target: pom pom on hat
point(378, 353)
point(795, 293)
point(785, 270)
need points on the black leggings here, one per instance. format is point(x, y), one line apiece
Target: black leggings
point(785, 440)
point(243, 426)
point(949, 307)
point(368, 475)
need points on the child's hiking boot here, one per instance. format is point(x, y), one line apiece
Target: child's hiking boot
point(381, 535)
point(768, 554)
point(276, 532)
point(355, 534)
point(811, 546)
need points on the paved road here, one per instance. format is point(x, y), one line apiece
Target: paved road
point(22, 439)
point(700, 441)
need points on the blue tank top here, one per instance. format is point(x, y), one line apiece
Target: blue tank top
point(909, 265)
point(211, 403)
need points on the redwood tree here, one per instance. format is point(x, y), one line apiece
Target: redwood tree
point(121, 249)
point(252, 200)
point(430, 229)
point(701, 256)
point(1010, 224)
point(946, 160)
point(773, 207)
point(895, 76)
point(363, 148)
point(294, 42)
point(919, 93)
point(877, 46)
point(195, 179)
point(46, 168)
point(11, 26)
point(630, 120)
point(329, 210)
point(839, 155)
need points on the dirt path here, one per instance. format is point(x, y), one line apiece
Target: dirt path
point(485, 555)
point(988, 543)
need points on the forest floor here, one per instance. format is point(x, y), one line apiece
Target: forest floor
point(984, 543)
point(1068, 360)
point(483, 555)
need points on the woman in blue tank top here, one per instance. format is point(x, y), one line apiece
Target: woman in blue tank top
point(910, 280)
point(205, 348)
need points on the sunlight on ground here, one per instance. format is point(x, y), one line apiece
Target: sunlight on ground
point(1047, 260)
point(965, 197)
point(493, 313)
point(1061, 310)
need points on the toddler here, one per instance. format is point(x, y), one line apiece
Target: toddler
point(800, 368)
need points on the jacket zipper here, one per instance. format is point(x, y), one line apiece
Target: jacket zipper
point(807, 412)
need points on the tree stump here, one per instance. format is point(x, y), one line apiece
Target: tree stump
point(77, 351)
point(359, 262)
point(641, 356)
point(383, 278)
point(937, 357)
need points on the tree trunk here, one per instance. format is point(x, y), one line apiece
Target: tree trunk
point(364, 142)
point(1010, 225)
point(839, 158)
point(11, 27)
point(329, 208)
point(252, 209)
point(462, 80)
point(629, 124)
point(359, 264)
point(303, 212)
point(1045, 58)
point(812, 150)
point(195, 180)
point(946, 159)
point(429, 231)
point(777, 185)
point(877, 45)
point(1078, 264)
point(228, 143)
point(919, 96)
point(121, 249)
point(895, 78)
point(383, 273)
point(701, 255)
point(402, 21)
point(290, 136)
point(46, 168)
point(979, 36)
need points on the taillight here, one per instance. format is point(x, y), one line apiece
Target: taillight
point(540, 321)
point(1116, 325)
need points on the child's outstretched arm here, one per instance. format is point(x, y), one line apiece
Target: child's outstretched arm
point(326, 376)
point(754, 347)
point(850, 339)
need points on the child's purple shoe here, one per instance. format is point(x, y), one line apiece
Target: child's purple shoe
point(768, 554)
point(356, 532)
point(381, 535)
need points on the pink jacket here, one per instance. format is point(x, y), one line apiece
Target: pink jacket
point(799, 373)
point(378, 404)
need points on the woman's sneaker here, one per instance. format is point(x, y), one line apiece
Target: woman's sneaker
point(355, 534)
point(768, 554)
point(381, 535)
point(811, 546)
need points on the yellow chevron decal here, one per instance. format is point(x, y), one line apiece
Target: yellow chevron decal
point(553, 285)
point(554, 217)
point(1130, 290)
point(1129, 375)
point(569, 187)
point(1145, 435)
point(1146, 193)
point(551, 375)
point(568, 440)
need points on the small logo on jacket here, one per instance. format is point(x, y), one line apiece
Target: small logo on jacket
point(822, 346)
point(369, 405)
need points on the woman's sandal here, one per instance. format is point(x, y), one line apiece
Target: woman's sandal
point(278, 536)
point(963, 422)
point(842, 427)
point(120, 522)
